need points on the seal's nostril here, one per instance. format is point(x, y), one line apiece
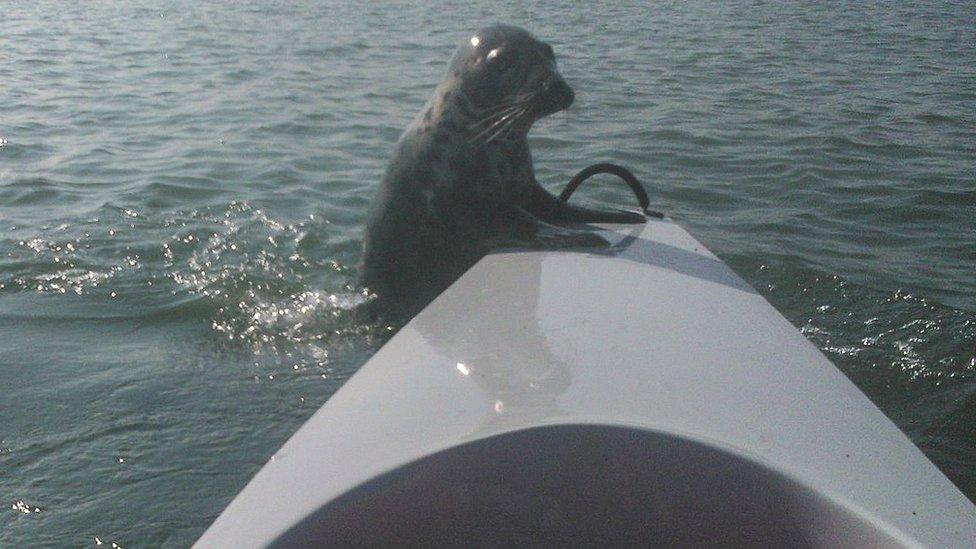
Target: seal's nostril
point(564, 93)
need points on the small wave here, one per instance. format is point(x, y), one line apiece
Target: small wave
point(935, 118)
point(850, 147)
point(31, 197)
point(177, 190)
point(678, 136)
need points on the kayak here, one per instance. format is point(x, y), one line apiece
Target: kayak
point(641, 395)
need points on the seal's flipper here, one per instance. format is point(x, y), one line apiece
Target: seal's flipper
point(552, 210)
point(516, 227)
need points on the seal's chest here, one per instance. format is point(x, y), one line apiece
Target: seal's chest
point(508, 169)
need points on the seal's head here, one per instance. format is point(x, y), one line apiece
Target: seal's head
point(504, 69)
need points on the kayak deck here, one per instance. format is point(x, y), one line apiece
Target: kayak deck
point(647, 386)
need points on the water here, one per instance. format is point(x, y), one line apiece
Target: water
point(183, 188)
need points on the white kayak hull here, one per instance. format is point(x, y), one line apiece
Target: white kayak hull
point(641, 396)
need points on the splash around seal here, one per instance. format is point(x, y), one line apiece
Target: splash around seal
point(461, 180)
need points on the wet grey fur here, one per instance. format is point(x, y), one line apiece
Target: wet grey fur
point(461, 180)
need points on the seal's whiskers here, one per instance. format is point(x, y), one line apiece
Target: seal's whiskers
point(507, 127)
point(501, 122)
point(512, 101)
point(494, 117)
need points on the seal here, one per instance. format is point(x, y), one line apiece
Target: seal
point(461, 181)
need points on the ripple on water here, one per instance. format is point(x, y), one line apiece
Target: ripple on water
point(267, 283)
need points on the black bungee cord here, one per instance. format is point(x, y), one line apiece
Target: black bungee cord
point(621, 172)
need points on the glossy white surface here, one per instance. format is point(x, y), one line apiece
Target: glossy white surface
point(657, 335)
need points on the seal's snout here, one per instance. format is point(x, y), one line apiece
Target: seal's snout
point(563, 94)
point(556, 95)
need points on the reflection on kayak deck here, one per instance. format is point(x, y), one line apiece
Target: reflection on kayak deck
point(516, 367)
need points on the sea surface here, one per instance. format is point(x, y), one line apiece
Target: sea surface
point(183, 187)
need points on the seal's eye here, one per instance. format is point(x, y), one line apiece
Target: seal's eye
point(498, 60)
